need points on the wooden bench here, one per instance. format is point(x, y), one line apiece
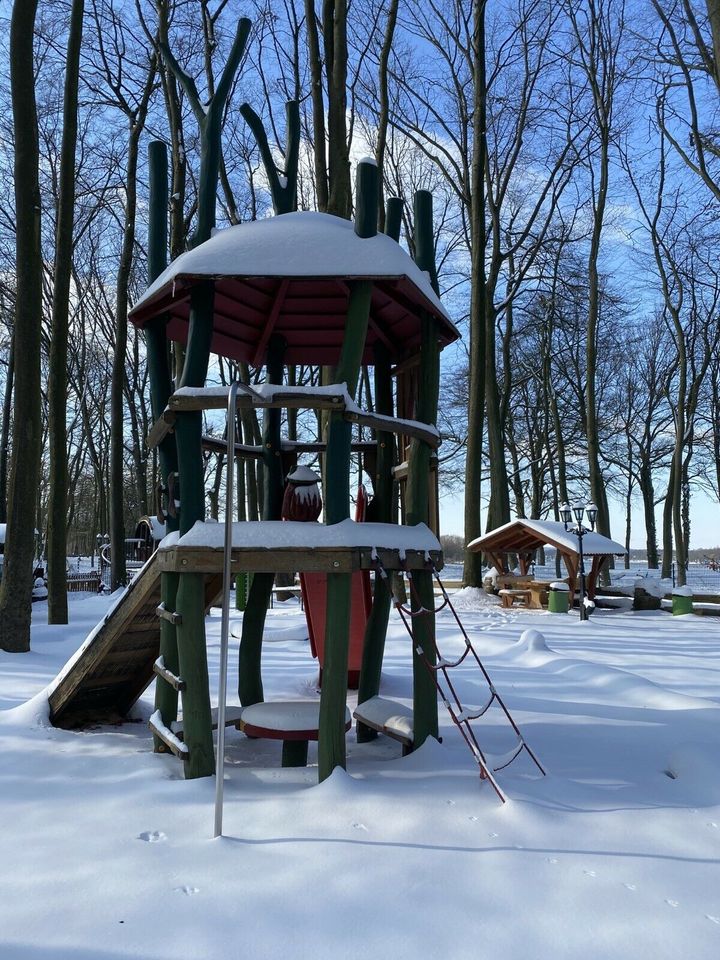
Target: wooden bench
point(508, 597)
point(388, 717)
point(295, 722)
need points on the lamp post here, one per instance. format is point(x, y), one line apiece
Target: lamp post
point(566, 515)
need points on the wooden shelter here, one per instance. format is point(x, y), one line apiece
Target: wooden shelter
point(524, 537)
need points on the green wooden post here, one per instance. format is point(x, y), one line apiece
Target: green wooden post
point(188, 428)
point(283, 192)
point(250, 688)
point(380, 511)
point(294, 753)
point(393, 218)
point(418, 484)
point(166, 697)
point(331, 744)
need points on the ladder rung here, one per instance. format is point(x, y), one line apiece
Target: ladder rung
point(474, 713)
point(159, 668)
point(169, 615)
point(505, 759)
point(173, 744)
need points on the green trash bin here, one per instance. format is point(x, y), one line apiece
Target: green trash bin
point(242, 589)
point(682, 601)
point(558, 597)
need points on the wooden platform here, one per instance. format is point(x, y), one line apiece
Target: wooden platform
point(117, 663)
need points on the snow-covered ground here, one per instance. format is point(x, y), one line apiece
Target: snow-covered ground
point(106, 852)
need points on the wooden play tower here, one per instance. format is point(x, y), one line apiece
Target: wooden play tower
point(300, 288)
point(296, 288)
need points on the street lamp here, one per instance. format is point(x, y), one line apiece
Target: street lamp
point(578, 511)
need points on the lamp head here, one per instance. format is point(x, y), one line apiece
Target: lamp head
point(565, 514)
point(578, 510)
point(592, 512)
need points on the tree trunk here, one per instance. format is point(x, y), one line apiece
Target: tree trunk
point(118, 572)
point(472, 575)
point(57, 377)
point(5, 432)
point(318, 106)
point(17, 580)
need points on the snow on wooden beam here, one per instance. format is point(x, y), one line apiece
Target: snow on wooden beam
point(264, 396)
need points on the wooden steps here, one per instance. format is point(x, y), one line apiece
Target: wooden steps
point(116, 664)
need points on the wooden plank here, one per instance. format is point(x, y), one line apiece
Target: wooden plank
point(164, 425)
point(248, 398)
point(121, 655)
point(270, 322)
point(290, 560)
point(114, 625)
point(406, 428)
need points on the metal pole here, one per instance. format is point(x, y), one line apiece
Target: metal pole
point(225, 621)
point(583, 608)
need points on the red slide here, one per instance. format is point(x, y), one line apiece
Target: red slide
point(314, 592)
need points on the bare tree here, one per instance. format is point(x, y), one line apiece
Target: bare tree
point(17, 580)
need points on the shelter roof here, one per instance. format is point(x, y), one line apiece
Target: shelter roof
point(289, 275)
point(521, 536)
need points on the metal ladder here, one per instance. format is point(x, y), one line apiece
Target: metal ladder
point(440, 671)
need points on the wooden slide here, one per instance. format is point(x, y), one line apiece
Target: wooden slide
point(116, 664)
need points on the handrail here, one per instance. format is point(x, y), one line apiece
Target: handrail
point(225, 619)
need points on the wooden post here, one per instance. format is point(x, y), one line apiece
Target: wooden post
point(380, 511)
point(166, 697)
point(331, 743)
point(197, 719)
point(418, 484)
point(250, 688)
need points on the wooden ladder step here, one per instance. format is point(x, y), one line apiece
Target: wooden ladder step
point(169, 615)
point(171, 741)
point(159, 668)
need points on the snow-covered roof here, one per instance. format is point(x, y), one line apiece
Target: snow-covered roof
point(291, 272)
point(528, 534)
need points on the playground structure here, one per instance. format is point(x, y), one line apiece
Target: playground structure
point(297, 288)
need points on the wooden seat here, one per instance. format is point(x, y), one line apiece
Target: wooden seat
point(388, 717)
point(295, 722)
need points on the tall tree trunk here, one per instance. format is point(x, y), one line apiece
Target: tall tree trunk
point(472, 576)
point(5, 430)
point(118, 572)
point(17, 580)
point(57, 377)
point(340, 188)
point(647, 492)
point(383, 105)
point(318, 106)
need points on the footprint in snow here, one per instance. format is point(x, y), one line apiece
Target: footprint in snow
point(712, 824)
point(551, 859)
point(709, 916)
point(630, 886)
point(153, 836)
point(493, 835)
point(187, 890)
point(450, 803)
point(360, 826)
point(672, 903)
point(474, 819)
point(589, 873)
